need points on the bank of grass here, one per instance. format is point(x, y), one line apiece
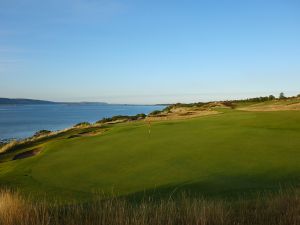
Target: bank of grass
point(42, 137)
point(78, 129)
point(282, 208)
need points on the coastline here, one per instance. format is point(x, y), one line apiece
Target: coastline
point(22, 121)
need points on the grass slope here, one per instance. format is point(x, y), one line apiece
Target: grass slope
point(224, 154)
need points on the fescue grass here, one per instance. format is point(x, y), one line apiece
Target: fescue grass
point(282, 208)
point(8, 146)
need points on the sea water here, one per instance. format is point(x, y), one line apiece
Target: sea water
point(21, 121)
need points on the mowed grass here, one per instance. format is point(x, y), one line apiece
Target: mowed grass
point(228, 154)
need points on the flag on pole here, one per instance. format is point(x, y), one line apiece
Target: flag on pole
point(149, 127)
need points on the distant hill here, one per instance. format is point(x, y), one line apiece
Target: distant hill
point(22, 101)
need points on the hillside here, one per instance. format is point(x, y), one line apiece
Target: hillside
point(15, 101)
point(223, 154)
point(22, 101)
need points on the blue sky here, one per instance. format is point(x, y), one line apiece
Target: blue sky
point(124, 51)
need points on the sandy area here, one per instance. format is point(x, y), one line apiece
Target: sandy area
point(265, 108)
point(182, 113)
point(88, 134)
point(27, 154)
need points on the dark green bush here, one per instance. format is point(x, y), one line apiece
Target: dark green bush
point(104, 120)
point(121, 117)
point(41, 132)
point(196, 104)
point(155, 112)
point(138, 116)
point(82, 124)
point(257, 99)
point(229, 104)
point(271, 97)
point(282, 96)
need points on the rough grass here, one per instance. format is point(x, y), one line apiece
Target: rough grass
point(7, 147)
point(17, 146)
point(282, 208)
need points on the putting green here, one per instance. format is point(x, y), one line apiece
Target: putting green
point(223, 154)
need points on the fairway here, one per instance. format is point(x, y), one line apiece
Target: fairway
point(225, 154)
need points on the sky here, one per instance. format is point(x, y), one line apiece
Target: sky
point(144, 52)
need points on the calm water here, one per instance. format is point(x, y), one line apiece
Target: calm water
point(22, 121)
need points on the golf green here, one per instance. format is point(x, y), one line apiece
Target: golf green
point(231, 152)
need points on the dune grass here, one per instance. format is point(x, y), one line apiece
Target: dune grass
point(282, 208)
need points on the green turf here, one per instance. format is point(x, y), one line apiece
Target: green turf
point(224, 154)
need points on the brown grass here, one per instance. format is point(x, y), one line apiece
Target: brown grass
point(8, 146)
point(273, 107)
point(280, 209)
point(182, 113)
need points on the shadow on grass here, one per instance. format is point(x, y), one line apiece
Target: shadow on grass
point(220, 187)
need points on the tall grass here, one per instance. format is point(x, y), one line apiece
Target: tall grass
point(280, 209)
point(6, 147)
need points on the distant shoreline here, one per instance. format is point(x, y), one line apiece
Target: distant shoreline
point(25, 101)
point(30, 118)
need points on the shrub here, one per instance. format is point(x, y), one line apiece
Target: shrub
point(138, 116)
point(121, 117)
point(9, 146)
point(282, 96)
point(196, 104)
point(257, 99)
point(42, 132)
point(155, 112)
point(82, 124)
point(104, 120)
point(229, 104)
point(271, 97)
point(168, 109)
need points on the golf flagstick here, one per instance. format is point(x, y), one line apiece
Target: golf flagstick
point(149, 127)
